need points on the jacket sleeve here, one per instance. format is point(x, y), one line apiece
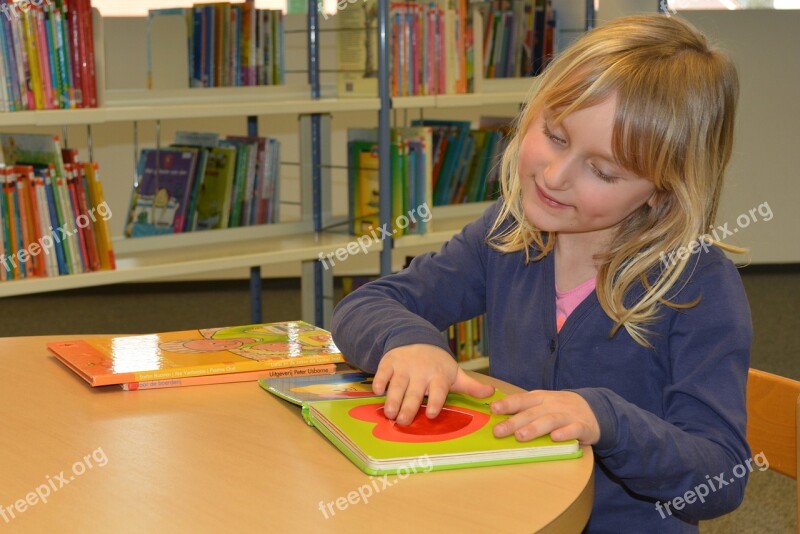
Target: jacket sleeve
point(418, 303)
point(698, 452)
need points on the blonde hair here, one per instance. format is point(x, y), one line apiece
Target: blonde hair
point(676, 100)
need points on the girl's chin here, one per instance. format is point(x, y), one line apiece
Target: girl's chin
point(538, 222)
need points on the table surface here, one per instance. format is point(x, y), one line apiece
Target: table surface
point(232, 458)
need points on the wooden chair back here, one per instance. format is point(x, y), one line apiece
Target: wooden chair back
point(773, 422)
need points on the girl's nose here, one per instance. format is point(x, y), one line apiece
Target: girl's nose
point(556, 173)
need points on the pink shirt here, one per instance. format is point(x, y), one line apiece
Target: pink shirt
point(567, 301)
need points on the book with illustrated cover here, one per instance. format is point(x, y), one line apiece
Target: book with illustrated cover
point(300, 389)
point(160, 203)
point(106, 360)
point(459, 437)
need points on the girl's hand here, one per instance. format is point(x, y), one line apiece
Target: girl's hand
point(414, 371)
point(563, 414)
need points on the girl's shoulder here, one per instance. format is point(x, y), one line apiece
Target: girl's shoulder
point(708, 272)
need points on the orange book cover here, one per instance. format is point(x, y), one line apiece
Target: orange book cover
point(249, 376)
point(106, 360)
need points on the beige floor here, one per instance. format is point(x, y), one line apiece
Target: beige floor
point(774, 295)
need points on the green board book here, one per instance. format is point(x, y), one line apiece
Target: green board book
point(461, 436)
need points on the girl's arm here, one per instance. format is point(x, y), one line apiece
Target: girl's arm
point(415, 305)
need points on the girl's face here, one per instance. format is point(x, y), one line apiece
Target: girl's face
point(570, 181)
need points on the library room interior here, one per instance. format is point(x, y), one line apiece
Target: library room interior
point(461, 265)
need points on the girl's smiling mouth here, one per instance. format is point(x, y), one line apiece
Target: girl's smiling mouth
point(548, 200)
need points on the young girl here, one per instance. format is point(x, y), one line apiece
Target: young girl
point(616, 163)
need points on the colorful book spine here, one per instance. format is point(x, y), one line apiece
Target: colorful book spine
point(250, 376)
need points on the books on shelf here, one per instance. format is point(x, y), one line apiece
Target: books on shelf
point(430, 44)
point(107, 360)
point(466, 161)
point(202, 182)
point(53, 215)
point(518, 37)
point(219, 44)
point(459, 437)
point(411, 170)
point(433, 163)
point(48, 58)
point(468, 339)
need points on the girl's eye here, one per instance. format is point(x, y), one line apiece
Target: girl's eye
point(602, 176)
point(553, 138)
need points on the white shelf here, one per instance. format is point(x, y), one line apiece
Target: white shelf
point(175, 262)
point(124, 245)
point(188, 109)
point(475, 364)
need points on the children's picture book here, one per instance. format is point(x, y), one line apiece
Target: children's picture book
point(106, 360)
point(160, 202)
point(460, 436)
point(300, 389)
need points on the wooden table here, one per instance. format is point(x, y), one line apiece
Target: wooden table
point(232, 458)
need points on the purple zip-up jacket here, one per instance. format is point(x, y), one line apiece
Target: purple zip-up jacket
point(672, 418)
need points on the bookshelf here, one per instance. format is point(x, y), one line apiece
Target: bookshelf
point(300, 241)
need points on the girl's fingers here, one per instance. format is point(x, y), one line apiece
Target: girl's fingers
point(395, 395)
point(470, 386)
point(529, 424)
point(518, 402)
point(412, 400)
point(381, 379)
point(437, 395)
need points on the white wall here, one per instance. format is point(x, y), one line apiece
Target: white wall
point(764, 167)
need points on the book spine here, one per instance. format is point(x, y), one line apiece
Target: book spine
point(312, 370)
point(100, 221)
point(5, 270)
point(237, 367)
point(88, 37)
point(44, 224)
point(74, 37)
point(33, 59)
point(45, 63)
point(18, 232)
point(61, 256)
point(30, 262)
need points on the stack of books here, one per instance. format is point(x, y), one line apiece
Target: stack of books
point(53, 216)
point(204, 356)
